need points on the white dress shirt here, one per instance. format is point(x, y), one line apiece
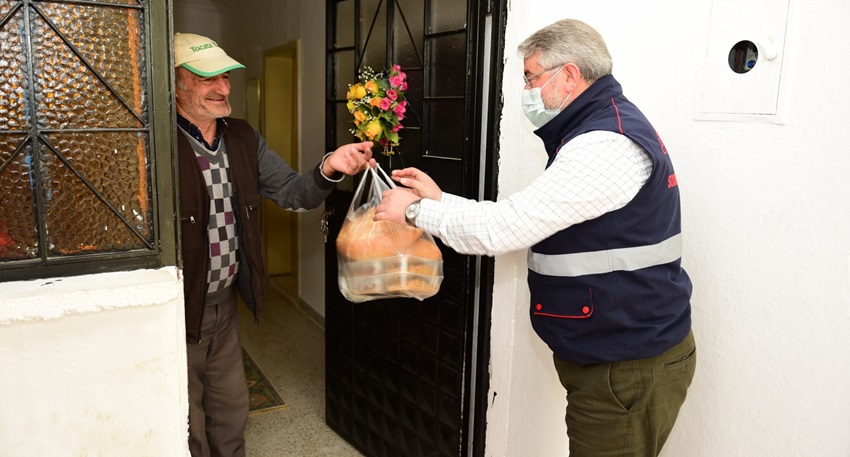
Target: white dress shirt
point(593, 174)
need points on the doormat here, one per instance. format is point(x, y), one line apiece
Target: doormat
point(262, 396)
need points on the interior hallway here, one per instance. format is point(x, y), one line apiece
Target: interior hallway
point(289, 348)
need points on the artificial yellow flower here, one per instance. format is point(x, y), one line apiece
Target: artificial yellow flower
point(375, 101)
point(373, 129)
point(359, 116)
point(358, 91)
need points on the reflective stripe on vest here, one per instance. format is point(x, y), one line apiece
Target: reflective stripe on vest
point(598, 262)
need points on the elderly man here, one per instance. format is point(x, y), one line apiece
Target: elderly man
point(225, 166)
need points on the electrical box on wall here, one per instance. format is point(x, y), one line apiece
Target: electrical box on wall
point(743, 62)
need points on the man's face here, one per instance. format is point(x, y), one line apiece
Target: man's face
point(201, 99)
point(547, 79)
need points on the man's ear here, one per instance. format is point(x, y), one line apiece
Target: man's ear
point(573, 76)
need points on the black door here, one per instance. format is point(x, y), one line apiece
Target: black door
point(402, 376)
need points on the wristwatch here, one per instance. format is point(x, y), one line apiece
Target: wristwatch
point(411, 212)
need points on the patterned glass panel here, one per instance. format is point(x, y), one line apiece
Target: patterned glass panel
point(70, 94)
point(18, 237)
point(81, 180)
point(13, 102)
point(113, 163)
point(110, 40)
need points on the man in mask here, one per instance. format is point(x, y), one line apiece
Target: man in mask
point(602, 225)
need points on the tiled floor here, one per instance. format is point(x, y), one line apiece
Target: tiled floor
point(289, 348)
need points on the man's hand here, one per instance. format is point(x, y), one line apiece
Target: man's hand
point(349, 159)
point(393, 204)
point(420, 182)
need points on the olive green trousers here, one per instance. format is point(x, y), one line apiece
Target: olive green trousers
point(626, 408)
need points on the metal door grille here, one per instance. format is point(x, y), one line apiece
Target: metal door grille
point(76, 162)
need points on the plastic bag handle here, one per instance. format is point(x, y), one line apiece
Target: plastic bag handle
point(386, 177)
point(376, 187)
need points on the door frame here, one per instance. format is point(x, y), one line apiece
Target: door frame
point(279, 107)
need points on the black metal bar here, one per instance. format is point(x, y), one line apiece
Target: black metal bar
point(445, 33)
point(35, 150)
point(98, 130)
point(14, 153)
point(431, 156)
point(410, 34)
point(444, 97)
point(369, 35)
point(9, 15)
point(389, 53)
point(138, 6)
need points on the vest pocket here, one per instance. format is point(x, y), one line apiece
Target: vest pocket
point(562, 302)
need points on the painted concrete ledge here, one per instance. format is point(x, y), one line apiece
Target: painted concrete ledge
point(46, 299)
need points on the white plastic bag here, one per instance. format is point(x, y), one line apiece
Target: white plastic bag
point(383, 259)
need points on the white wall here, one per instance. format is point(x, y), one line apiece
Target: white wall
point(94, 365)
point(766, 223)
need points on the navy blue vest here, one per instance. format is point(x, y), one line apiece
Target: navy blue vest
point(612, 288)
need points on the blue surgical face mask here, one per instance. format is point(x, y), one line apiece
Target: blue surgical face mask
point(534, 107)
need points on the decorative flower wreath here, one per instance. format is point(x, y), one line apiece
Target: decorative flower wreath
point(378, 105)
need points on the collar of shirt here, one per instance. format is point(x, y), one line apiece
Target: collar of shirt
point(580, 110)
point(192, 129)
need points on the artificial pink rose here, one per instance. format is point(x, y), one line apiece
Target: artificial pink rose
point(397, 128)
point(396, 67)
point(400, 110)
point(385, 104)
point(392, 94)
point(396, 81)
point(403, 86)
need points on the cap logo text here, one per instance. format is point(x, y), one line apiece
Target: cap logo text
point(211, 44)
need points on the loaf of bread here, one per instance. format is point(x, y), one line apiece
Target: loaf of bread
point(363, 238)
point(383, 260)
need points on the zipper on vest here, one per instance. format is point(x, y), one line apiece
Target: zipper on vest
point(250, 209)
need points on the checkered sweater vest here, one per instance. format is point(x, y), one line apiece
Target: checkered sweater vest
point(212, 229)
point(221, 228)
